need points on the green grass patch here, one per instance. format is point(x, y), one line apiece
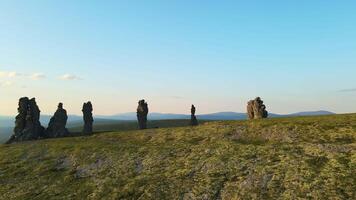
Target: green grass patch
point(289, 158)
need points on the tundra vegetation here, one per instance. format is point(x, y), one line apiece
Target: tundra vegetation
point(286, 158)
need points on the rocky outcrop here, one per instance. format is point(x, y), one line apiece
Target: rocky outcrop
point(193, 118)
point(142, 112)
point(256, 109)
point(57, 124)
point(27, 123)
point(88, 118)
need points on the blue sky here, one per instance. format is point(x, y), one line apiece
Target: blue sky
point(296, 55)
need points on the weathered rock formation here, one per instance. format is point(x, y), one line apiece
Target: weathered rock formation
point(142, 112)
point(57, 124)
point(256, 109)
point(193, 118)
point(88, 118)
point(27, 123)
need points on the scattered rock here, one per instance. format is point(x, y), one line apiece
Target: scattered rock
point(27, 124)
point(188, 196)
point(193, 118)
point(256, 109)
point(138, 166)
point(88, 118)
point(57, 124)
point(91, 169)
point(266, 178)
point(63, 163)
point(142, 112)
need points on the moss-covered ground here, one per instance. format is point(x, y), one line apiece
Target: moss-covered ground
point(290, 158)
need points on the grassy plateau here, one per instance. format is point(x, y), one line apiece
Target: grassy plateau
point(286, 158)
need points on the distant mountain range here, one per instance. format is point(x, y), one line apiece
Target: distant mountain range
point(8, 121)
point(212, 116)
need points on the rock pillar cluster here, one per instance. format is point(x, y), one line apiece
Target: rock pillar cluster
point(27, 123)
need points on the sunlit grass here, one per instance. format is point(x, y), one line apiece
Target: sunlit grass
point(290, 158)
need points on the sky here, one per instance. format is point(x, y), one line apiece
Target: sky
point(297, 55)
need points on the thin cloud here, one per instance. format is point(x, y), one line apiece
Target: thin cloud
point(348, 90)
point(13, 74)
point(9, 74)
point(37, 76)
point(69, 77)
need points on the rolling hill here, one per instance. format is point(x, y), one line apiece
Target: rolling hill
point(127, 121)
point(278, 158)
point(211, 116)
point(105, 125)
point(8, 121)
point(5, 133)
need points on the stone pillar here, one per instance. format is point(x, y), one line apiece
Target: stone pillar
point(57, 124)
point(142, 112)
point(256, 109)
point(27, 122)
point(88, 118)
point(193, 118)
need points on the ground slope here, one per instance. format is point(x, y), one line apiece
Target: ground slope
point(105, 125)
point(290, 158)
